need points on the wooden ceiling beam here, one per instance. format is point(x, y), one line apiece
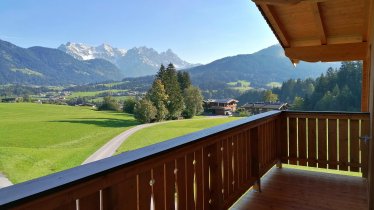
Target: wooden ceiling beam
point(319, 23)
point(285, 2)
point(276, 24)
point(327, 53)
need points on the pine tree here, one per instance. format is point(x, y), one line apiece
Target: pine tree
point(158, 97)
point(184, 80)
point(161, 72)
point(175, 101)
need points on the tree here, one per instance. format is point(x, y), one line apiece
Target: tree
point(158, 97)
point(109, 103)
point(184, 80)
point(298, 103)
point(144, 111)
point(193, 101)
point(129, 105)
point(170, 81)
point(161, 73)
point(269, 96)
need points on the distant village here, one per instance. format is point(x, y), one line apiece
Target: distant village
point(230, 107)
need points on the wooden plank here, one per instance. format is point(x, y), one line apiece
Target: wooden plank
point(328, 53)
point(216, 196)
point(207, 161)
point(144, 190)
point(248, 155)
point(365, 132)
point(198, 182)
point(181, 183)
point(276, 24)
point(292, 189)
point(121, 196)
point(237, 160)
point(169, 171)
point(67, 206)
point(328, 115)
point(230, 170)
point(365, 89)
point(159, 187)
point(190, 181)
point(225, 169)
point(322, 143)
point(343, 144)
point(302, 141)
point(254, 153)
point(90, 202)
point(292, 145)
point(283, 138)
point(241, 154)
point(354, 144)
point(319, 22)
point(285, 2)
point(332, 143)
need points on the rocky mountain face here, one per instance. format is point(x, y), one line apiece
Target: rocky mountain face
point(47, 66)
point(137, 61)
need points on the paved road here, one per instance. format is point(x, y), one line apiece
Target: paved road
point(110, 148)
point(4, 182)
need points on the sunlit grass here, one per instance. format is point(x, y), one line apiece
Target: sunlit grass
point(37, 140)
point(169, 130)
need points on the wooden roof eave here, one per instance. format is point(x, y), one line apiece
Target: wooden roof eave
point(325, 51)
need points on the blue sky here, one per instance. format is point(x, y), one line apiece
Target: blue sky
point(199, 31)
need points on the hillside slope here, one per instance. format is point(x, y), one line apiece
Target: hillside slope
point(46, 66)
point(260, 68)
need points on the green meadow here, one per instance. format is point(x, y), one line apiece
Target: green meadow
point(169, 130)
point(92, 93)
point(40, 139)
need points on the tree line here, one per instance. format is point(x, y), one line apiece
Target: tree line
point(336, 90)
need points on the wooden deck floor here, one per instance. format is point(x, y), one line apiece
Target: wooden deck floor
point(292, 189)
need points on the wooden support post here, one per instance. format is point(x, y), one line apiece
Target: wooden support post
point(370, 67)
point(365, 86)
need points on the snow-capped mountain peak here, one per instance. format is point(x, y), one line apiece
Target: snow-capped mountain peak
point(137, 61)
point(86, 52)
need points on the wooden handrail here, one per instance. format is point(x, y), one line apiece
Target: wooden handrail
point(210, 168)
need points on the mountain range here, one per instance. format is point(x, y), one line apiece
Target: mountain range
point(135, 62)
point(79, 64)
point(260, 68)
point(47, 66)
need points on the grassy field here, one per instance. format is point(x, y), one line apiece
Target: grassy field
point(169, 130)
point(274, 84)
point(36, 139)
point(240, 85)
point(92, 93)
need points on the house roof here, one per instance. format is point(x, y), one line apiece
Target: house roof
point(320, 30)
point(225, 100)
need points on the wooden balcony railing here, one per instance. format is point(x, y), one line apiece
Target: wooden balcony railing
point(326, 140)
point(209, 169)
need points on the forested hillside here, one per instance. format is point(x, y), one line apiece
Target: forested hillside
point(335, 90)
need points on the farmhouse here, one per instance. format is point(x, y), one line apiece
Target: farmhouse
point(260, 107)
point(221, 106)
